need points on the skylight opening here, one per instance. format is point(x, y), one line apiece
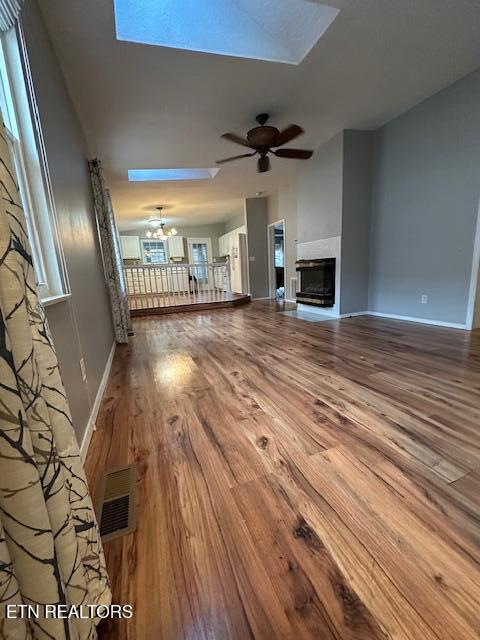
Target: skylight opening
point(272, 30)
point(152, 175)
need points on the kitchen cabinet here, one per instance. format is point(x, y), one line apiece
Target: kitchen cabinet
point(176, 247)
point(130, 246)
point(229, 245)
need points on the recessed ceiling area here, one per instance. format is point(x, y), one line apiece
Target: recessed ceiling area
point(167, 175)
point(275, 30)
point(144, 106)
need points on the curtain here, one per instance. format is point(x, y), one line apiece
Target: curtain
point(50, 548)
point(112, 257)
point(9, 12)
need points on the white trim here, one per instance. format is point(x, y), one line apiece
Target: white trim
point(472, 294)
point(293, 290)
point(439, 323)
point(142, 250)
point(354, 313)
point(207, 241)
point(289, 300)
point(87, 436)
point(49, 300)
point(271, 255)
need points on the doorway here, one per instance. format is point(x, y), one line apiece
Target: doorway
point(276, 259)
point(200, 254)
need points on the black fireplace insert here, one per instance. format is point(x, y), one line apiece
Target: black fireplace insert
point(317, 282)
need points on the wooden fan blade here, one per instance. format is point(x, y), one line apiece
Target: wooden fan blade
point(298, 154)
point(263, 164)
point(243, 155)
point(288, 134)
point(233, 137)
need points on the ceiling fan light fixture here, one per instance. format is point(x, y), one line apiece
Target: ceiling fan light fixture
point(266, 139)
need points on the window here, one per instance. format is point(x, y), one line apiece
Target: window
point(22, 123)
point(154, 251)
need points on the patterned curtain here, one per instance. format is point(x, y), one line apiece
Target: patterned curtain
point(50, 549)
point(112, 257)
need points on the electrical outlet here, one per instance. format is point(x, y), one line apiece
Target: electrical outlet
point(424, 298)
point(82, 369)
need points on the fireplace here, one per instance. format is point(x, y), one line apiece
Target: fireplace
point(317, 282)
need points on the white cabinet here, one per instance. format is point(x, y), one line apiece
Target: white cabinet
point(229, 245)
point(130, 246)
point(176, 247)
point(223, 246)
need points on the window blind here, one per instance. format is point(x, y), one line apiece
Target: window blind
point(9, 12)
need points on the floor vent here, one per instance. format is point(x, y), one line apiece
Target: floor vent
point(117, 509)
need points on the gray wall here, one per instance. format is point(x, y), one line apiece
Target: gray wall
point(357, 181)
point(234, 223)
point(319, 195)
point(257, 217)
point(82, 325)
point(425, 203)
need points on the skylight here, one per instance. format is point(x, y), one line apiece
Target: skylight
point(146, 175)
point(274, 30)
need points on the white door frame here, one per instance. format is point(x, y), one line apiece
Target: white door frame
point(207, 241)
point(271, 255)
point(474, 289)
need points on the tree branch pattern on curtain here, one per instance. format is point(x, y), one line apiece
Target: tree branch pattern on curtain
point(112, 257)
point(50, 547)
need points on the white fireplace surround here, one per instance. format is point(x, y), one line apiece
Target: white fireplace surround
point(325, 248)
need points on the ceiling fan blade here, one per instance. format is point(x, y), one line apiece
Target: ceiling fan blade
point(263, 164)
point(243, 155)
point(233, 137)
point(298, 154)
point(288, 134)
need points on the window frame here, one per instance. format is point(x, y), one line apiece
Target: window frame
point(24, 134)
point(143, 241)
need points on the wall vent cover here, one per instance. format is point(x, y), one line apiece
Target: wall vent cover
point(117, 507)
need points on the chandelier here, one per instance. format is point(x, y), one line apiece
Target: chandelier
point(160, 228)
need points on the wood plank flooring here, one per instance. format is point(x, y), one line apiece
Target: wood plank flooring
point(295, 480)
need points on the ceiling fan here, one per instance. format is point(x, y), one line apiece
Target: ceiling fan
point(263, 139)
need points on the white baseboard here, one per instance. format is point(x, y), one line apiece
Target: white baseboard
point(438, 323)
point(354, 313)
point(87, 436)
point(289, 300)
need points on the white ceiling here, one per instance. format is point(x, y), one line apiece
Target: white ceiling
point(145, 106)
point(278, 30)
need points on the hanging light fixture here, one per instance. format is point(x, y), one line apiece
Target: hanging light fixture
point(161, 230)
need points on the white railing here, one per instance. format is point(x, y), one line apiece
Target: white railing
point(165, 285)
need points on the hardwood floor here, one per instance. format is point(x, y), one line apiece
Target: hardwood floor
point(296, 480)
